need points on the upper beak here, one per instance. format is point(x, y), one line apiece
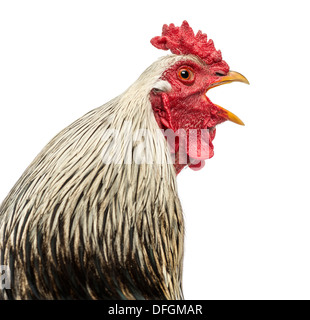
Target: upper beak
point(232, 76)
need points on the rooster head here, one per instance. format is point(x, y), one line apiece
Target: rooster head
point(181, 105)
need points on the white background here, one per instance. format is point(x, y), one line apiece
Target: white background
point(247, 212)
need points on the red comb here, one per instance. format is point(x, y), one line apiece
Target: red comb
point(182, 40)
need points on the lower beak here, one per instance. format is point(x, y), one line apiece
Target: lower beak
point(232, 76)
point(230, 116)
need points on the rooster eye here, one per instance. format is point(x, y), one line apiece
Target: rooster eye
point(185, 74)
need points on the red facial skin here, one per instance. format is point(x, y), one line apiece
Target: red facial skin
point(186, 107)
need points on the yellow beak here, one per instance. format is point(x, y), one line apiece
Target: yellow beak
point(232, 76)
point(230, 116)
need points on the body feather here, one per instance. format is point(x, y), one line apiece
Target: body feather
point(75, 227)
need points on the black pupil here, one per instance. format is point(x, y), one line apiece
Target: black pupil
point(184, 74)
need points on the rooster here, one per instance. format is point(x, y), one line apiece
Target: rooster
point(97, 215)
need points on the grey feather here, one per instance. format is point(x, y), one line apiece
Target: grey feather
point(74, 227)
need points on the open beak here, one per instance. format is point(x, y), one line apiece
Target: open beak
point(232, 76)
point(230, 116)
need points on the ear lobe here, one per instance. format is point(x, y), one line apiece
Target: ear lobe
point(162, 85)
